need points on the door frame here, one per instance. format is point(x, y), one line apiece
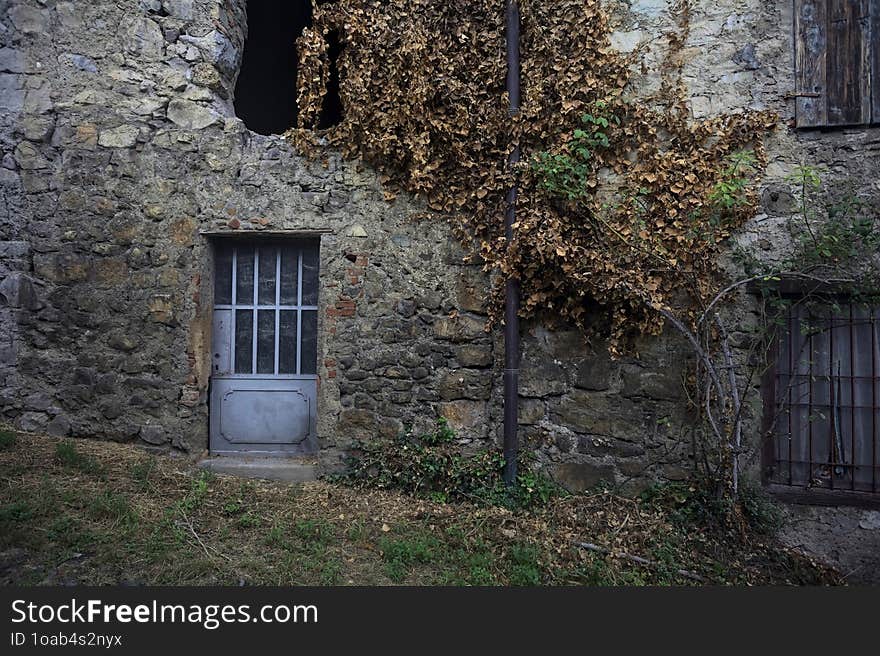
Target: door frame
point(213, 240)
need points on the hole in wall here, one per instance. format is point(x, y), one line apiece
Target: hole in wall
point(265, 93)
point(331, 110)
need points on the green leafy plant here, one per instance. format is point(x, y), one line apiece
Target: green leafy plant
point(734, 187)
point(692, 504)
point(569, 172)
point(433, 467)
point(442, 435)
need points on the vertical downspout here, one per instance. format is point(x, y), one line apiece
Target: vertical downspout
point(511, 308)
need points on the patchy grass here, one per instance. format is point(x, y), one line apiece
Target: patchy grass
point(69, 456)
point(7, 439)
point(89, 512)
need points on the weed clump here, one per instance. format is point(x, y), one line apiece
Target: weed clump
point(696, 505)
point(435, 467)
point(67, 455)
point(7, 439)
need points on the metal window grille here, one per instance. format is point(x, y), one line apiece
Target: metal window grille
point(272, 293)
point(826, 399)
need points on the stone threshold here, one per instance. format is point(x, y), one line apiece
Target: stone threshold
point(270, 468)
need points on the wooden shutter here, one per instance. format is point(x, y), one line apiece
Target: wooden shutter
point(874, 41)
point(836, 51)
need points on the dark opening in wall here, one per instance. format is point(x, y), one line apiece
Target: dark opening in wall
point(265, 94)
point(331, 110)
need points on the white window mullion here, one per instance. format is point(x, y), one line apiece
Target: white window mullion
point(277, 304)
point(256, 288)
point(234, 299)
point(299, 291)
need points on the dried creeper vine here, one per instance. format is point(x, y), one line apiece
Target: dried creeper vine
point(624, 204)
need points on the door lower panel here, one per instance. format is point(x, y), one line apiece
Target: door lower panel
point(262, 415)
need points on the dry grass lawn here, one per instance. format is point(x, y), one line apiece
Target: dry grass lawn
point(90, 512)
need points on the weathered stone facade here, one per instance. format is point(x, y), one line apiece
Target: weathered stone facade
point(120, 150)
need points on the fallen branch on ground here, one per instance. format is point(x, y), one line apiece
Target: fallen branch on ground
point(636, 559)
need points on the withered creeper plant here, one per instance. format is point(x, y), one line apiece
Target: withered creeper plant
point(625, 202)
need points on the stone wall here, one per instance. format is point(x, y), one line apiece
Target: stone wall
point(120, 148)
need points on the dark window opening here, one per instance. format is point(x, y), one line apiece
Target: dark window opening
point(265, 94)
point(826, 400)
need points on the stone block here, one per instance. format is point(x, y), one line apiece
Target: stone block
point(464, 415)
point(471, 290)
point(143, 38)
point(29, 157)
point(28, 19)
point(582, 476)
point(59, 426)
point(541, 376)
point(18, 290)
point(531, 411)
point(61, 267)
point(111, 270)
point(12, 61)
point(460, 328)
point(594, 372)
point(153, 434)
point(464, 384)
point(11, 93)
point(474, 355)
point(665, 384)
point(32, 422)
point(357, 423)
point(161, 308)
point(182, 9)
point(594, 413)
point(190, 115)
point(183, 231)
point(124, 136)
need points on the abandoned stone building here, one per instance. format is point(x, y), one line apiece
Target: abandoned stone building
point(173, 273)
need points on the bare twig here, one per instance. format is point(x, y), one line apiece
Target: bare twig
point(735, 398)
point(205, 547)
point(710, 366)
point(777, 274)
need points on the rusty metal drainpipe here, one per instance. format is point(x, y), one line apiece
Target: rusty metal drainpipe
point(511, 308)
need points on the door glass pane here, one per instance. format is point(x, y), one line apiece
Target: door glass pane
point(289, 266)
point(310, 275)
point(268, 263)
point(245, 280)
point(244, 341)
point(223, 276)
point(309, 355)
point(266, 342)
point(287, 342)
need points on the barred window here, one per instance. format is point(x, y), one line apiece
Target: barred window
point(826, 389)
